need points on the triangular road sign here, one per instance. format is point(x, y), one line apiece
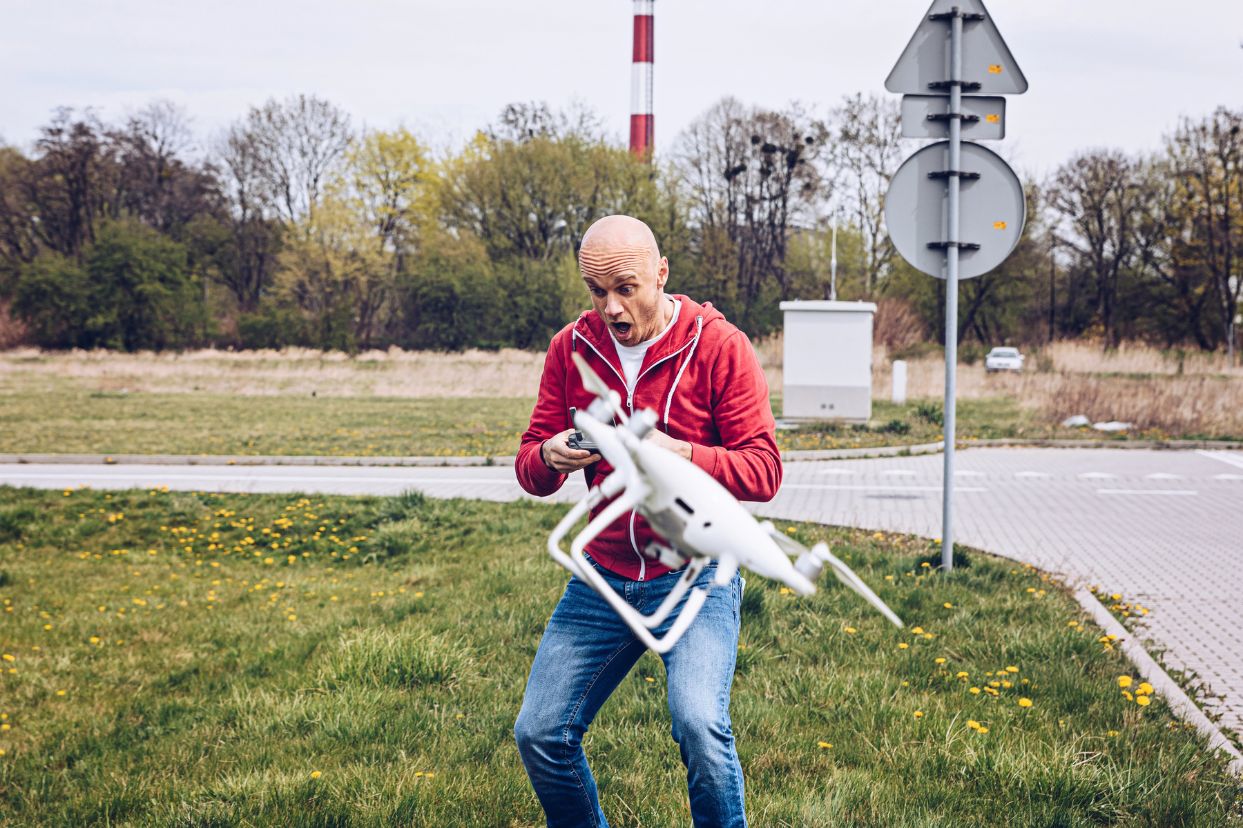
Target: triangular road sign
point(986, 59)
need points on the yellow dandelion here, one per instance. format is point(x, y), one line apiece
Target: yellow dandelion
point(1143, 701)
point(1012, 669)
point(1111, 733)
point(962, 674)
point(973, 724)
point(824, 745)
point(975, 691)
point(919, 714)
point(903, 645)
point(939, 660)
point(851, 630)
point(948, 605)
point(1124, 681)
point(316, 774)
point(1144, 688)
point(1025, 702)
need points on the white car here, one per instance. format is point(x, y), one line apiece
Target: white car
point(1003, 359)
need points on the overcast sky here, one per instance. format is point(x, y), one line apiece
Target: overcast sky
point(1115, 73)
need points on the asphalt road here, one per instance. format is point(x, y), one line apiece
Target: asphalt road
point(1164, 528)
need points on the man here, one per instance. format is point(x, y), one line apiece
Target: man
point(700, 375)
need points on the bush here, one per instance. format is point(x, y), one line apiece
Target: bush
point(895, 427)
point(132, 290)
point(930, 412)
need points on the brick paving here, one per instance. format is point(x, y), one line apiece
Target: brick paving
point(1163, 528)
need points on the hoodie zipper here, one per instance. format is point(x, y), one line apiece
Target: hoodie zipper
point(634, 544)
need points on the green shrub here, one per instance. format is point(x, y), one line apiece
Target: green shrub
point(930, 412)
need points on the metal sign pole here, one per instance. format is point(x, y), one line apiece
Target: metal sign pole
point(951, 289)
point(925, 220)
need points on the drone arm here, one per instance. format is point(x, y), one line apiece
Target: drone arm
point(692, 571)
point(572, 517)
point(633, 618)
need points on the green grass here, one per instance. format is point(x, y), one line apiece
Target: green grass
point(384, 642)
point(59, 420)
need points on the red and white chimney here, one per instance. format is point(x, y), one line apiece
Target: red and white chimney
point(642, 121)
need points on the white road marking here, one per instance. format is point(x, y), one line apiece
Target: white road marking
point(1098, 476)
point(863, 487)
point(1175, 492)
point(1228, 477)
point(1234, 458)
point(1163, 476)
point(275, 478)
point(899, 473)
point(1032, 474)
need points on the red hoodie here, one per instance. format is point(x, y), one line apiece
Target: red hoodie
point(706, 386)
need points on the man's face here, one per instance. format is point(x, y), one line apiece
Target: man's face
point(627, 284)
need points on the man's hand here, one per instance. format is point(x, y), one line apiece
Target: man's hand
point(678, 447)
point(559, 456)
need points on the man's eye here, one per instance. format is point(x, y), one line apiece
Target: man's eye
point(596, 291)
point(625, 291)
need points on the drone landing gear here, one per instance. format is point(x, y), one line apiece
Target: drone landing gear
point(641, 625)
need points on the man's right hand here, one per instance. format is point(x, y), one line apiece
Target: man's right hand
point(559, 456)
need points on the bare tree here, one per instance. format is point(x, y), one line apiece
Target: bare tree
point(297, 145)
point(867, 152)
point(751, 177)
point(1100, 197)
point(1208, 156)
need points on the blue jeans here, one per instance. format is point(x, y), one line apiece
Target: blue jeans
point(585, 653)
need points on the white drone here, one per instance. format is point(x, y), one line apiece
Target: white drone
point(697, 516)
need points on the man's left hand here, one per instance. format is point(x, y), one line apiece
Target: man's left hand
point(678, 447)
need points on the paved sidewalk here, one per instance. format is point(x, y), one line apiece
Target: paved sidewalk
point(1164, 528)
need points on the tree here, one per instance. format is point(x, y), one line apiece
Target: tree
point(750, 178)
point(1208, 156)
point(1100, 196)
point(131, 291)
point(867, 152)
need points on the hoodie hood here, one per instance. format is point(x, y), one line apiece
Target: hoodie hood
point(691, 322)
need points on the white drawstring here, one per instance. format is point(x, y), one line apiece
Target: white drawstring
point(699, 327)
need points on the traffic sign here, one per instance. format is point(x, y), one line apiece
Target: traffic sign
point(954, 209)
point(927, 116)
point(987, 65)
point(991, 210)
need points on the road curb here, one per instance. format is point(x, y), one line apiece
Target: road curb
point(251, 460)
point(1180, 703)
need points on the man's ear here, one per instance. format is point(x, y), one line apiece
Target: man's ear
point(662, 273)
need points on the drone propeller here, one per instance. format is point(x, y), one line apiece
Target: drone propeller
point(811, 562)
point(597, 386)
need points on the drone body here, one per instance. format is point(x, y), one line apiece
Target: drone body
point(698, 518)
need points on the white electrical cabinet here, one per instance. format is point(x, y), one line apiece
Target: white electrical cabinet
point(828, 361)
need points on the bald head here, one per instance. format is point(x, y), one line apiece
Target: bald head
point(620, 232)
point(625, 274)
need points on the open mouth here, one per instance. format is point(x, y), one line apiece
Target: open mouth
point(622, 329)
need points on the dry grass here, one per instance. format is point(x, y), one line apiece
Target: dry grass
point(292, 372)
point(1195, 394)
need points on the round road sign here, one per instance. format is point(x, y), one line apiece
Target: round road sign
point(991, 210)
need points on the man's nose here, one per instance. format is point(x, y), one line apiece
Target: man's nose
point(612, 305)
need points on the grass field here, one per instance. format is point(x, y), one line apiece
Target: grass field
point(181, 659)
point(140, 423)
point(401, 403)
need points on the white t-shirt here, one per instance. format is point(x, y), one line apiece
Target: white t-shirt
point(632, 355)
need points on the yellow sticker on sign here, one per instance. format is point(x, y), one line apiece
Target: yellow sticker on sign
point(994, 69)
point(992, 117)
point(999, 225)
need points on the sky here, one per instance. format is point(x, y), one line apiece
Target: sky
point(1102, 73)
